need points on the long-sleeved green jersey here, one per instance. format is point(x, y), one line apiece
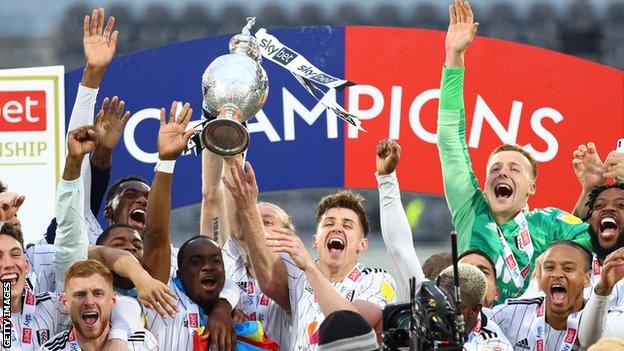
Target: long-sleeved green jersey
point(472, 218)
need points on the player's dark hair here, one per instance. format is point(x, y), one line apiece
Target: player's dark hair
point(106, 233)
point(593, 196)
point(112, 191)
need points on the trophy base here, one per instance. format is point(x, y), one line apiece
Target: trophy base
point(225, 137)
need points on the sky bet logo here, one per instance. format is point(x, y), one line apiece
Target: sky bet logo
point(322, 78)
point(23, 111)
point(283, 55)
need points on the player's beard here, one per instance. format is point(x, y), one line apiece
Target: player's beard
point(93, 334)
point(600, 251)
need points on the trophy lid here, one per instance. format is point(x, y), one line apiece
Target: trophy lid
point(245, 43)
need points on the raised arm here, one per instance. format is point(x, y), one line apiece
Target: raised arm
point(589, 171)
point(99, 43)
point(460, 183)
point(395, 228)
point(152, 293)
point(213, 218)
point(172, 140)
point(268, 267)
point(594, 316)
point(71, 238)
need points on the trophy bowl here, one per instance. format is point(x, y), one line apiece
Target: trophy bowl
point(235, 87)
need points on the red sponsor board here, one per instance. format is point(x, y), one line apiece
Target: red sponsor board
point(22, 111)
point(556, 101)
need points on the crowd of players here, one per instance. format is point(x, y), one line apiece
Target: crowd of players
point(540, 279)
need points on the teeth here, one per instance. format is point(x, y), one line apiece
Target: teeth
point(336, 240)
point(556, 286)
point(8, 277)
point(90, 314)
point(608, 220)
point(138, 211)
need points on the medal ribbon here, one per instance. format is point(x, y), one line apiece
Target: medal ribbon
point(571, 331)
point(308, 75)
point(194, 313)
point(525, 243)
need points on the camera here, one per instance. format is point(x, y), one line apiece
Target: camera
point(429, 322)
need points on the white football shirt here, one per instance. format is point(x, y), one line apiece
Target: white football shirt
point(277, 323)
point(372, 285)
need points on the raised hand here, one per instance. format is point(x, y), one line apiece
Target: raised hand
point(81, 141)
point(388, 155)
point(156, 295)
point(110, 122)
point(99, 42)
point(461, 31)
point(612, 272)
point(172, 137)
point(245, 189)
point(283, 240)
point(588, 166)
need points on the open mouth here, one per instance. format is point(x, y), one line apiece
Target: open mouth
point(558, 294)
point(209, 283)
point(502, 190)
point(138, 216)
point(10, 277)
point(608, 227)
point(335, 245)
point(90, 318)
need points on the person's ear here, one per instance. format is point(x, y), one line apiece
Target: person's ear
point(363, 245)
point(108, 214)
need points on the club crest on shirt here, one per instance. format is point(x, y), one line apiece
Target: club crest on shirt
point(43, 335)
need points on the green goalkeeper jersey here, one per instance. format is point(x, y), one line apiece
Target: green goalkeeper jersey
point(475, 225)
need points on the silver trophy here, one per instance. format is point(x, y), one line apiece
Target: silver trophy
point(235, 87)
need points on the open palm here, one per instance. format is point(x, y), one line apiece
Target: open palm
point(110, 122)
point(99, 42)
point(462, 27)
point(172, 135)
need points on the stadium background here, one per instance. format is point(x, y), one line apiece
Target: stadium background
point(593, 30)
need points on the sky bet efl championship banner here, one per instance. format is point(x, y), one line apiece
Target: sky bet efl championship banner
point(547, 102)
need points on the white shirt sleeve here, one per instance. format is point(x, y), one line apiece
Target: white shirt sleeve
point(71, 242)
point(126, 317)
point(592, 320)
point(83, 114)
point(397, 233)
point(230, 292)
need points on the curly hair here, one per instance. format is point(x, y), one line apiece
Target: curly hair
point(593, 196)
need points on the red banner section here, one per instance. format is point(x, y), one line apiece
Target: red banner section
point(22, 111)
point(547, 102)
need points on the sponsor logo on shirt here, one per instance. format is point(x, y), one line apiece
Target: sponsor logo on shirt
point(355, 274)
point(523, 344)
point(250, 288)
point(193, 320)
point(264, 300)
point(26, 335)
point(511, 263)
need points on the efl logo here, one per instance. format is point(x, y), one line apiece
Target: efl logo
point(250, 288)
point(322, 78)
point(264, 300)
point(540, 345)
point(193, 320)
point(30, 298)
point(22, 111)
point(525, 238)
point(525, 270)
point(285, 56)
